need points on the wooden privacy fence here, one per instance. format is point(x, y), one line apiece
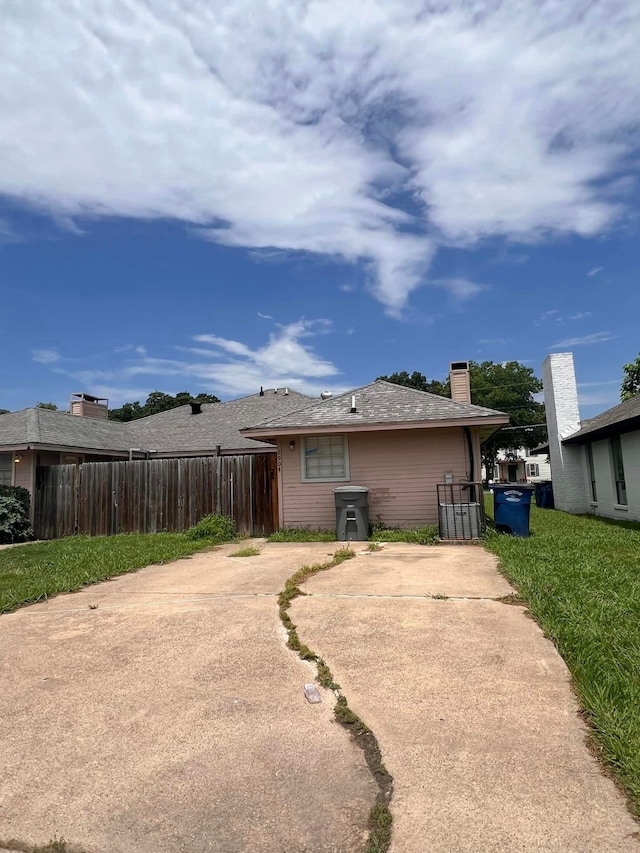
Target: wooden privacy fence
point(150, 496)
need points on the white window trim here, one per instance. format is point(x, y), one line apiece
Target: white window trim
point(12, 467)
point(303, 466)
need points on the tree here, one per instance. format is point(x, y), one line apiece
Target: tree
point(157, 402)
point(4, 411)
point(418, 381)
point(507, 387)
point(631, 380)
point(51, 406)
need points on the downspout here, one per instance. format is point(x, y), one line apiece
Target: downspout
point(472, 464)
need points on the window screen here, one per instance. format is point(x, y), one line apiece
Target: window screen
point(6, 467)
point(325, 457)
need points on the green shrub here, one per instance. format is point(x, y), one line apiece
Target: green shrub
point(19, 494)
point(302, 534)
point(217, 528)
point(419, 536)
point(14, 521)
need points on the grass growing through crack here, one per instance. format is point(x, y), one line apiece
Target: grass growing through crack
point(380, 818)
point(249, 551)
point(56, 845)
point(419, 536)
point(302, 534)
point(578, 576)
point(36, 571)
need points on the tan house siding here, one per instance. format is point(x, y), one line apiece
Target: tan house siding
point(24, 473)
point(400, 468)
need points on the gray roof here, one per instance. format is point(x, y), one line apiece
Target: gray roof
point(59, 429)
point(380, 402)
point(178, 430)
point(624, 417)
point(175, 431)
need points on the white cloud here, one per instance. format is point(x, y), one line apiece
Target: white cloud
point(265, 316)
point(605, 400)
point(581, 315)
point(273, 126)
point(232, 368)
point(46, 356)
point(460, 288)
point(616, 382)
point(595, 338)
point(594, 271)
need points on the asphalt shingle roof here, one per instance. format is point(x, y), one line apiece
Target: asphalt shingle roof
point(380, 402)
point(621, 418)
point(175, 431)
point(59, 429)
point(178, 430)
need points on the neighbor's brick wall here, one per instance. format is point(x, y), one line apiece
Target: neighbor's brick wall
point(568, 469)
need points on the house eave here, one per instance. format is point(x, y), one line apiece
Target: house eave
point(607, 431)
point(272, 434)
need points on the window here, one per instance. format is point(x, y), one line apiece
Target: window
point(6, 468)
point(325, 458)
point(618, 471)
point(592, 473)
point(533, 469)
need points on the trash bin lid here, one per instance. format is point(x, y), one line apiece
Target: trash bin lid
point(498, 487)
point(351, 489)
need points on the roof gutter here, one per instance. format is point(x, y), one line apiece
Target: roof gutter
point(260, 433)
point(600, 433)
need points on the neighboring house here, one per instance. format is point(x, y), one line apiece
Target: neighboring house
point(595, 463)
point(39, 437)
point(177, 432)
point(397, 441)
point(520, 466)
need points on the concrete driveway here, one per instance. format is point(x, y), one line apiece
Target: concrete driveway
point(171, 717)
point(471, 705)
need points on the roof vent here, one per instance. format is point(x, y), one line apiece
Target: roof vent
point(196, 408)
point(286, 392)
point(353, 404)
point(275, 390)
point(261, 391)
point(326, 395)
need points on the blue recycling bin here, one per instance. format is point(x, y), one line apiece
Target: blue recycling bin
point(511, 508)
point(544, 495)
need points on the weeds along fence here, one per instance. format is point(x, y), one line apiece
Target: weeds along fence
point(150, 496)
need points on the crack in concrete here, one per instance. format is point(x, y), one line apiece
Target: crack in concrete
point(380, 818)
point(425, 597)
point(213, 596)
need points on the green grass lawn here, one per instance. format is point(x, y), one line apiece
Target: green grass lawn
point(580, 577)
point(31, 572)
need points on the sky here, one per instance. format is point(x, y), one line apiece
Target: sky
point(210, 196)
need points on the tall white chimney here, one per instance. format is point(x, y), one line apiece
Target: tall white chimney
point(460, 381)
point(563, 419)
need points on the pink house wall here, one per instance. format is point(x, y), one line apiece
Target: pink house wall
point(24, 471)
point(401, 470)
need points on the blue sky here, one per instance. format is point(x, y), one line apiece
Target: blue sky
point(213, 197)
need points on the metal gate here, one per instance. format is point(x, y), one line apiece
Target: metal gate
point(461, 515)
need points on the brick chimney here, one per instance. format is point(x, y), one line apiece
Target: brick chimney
point(88, 406)
point(460, 381)
point(563, 419)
